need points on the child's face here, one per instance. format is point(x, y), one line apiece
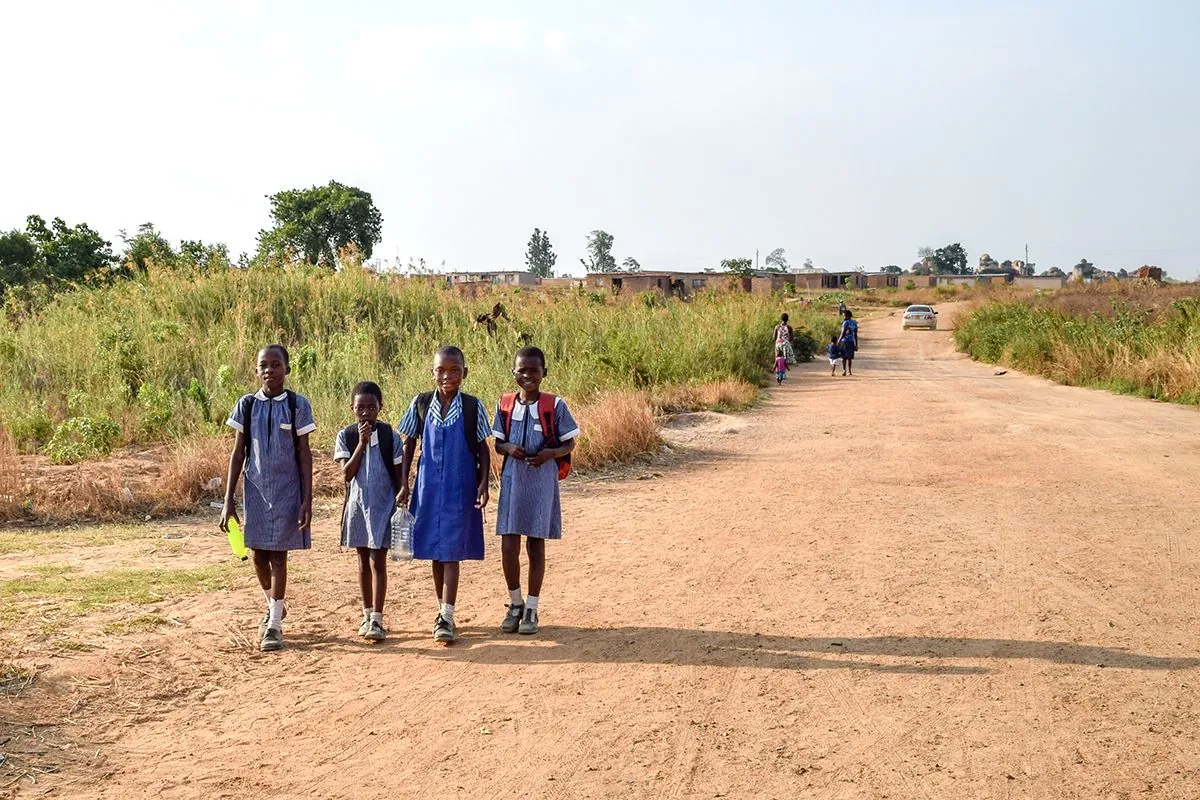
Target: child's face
point(448, 373)
point(529, 373)
point(271, 370)
point(366, 408)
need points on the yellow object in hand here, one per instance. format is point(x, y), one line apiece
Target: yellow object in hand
point(237, 541)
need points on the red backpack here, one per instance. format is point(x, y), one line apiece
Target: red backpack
point(545, 408)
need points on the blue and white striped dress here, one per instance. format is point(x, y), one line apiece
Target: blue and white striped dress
point(372, 497)
point(271, 485)
point(529, 500)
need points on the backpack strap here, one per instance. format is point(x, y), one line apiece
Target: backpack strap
point(291, 404)
point(245, 411)
point(546, 413)
point(387, 449)
point(424, 400)
point(508, 403)
point(470, 413)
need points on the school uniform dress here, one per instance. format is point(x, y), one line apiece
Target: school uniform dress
point(271, 479)
point(529, 500)
point(371, 498)
point(448, 527)
point(849, 341)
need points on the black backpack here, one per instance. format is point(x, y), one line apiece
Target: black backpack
point(246, 407)
point(470, 412)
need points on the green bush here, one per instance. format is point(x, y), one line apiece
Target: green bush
point(80, 438)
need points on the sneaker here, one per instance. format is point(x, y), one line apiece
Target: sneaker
point(365, 627)
point(513, 618)
point(272, 640)
point(266, 620)
point(375, 632)
point(529, 623)
point(443, 630)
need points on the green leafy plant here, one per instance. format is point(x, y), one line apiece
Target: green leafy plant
point(80, 438)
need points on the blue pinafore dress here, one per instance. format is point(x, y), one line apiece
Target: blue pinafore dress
point(448, 525)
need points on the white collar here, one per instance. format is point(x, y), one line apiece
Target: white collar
point(261, 395)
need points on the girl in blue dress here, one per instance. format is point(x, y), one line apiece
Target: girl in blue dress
point(368, 455)
point(271, 449)
point(529, 499)
point(452, 479)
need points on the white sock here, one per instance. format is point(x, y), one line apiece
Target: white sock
point(448, 612)
point(531, 603)
point(267, 597)
point(367, 612)
point(275, 618)
point(377, 616)
point(514, 597)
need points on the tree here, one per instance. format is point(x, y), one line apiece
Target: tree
point(539, 255)
point(599, 249)
point(631, 264)
point(776, 261)
point(1054, 272)
point(204, 257)
point(743, 267)
point(892, 269)
point(20, 262)
point(948, 260)
point(316, 223)
point(69, 254)
point(987, 263)
point(148, 245)
point(808, 264)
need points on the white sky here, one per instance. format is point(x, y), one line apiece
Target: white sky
point(850, 132)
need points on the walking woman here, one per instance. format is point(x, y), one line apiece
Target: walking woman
point(848, 342)
point(783, 339)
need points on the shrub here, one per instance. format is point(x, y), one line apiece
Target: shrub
point(79, 438)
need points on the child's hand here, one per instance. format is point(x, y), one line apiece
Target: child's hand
point(482, 497)
point(517, 452)
point(228, 512)
point(402, 497)
point(538, 458)
point(305, 515)
point(364, 433)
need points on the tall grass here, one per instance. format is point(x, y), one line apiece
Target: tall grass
point(1129, 337)
point(165, 357)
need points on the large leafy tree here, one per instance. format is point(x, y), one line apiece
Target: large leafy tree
point(20, 261)
point(631, 264)
point(539, 255)
point(951, 260)
point(318, 222)
point(599, 250)
point(147, 245)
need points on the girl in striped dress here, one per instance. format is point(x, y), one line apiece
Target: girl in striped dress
point(452, 479)
point(368, 456)
point(533, 432)
point(271, 449)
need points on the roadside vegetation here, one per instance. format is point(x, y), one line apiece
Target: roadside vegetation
point(158, 361)
point(1132, 337)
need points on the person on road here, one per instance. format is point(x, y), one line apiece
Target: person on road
point(848, 341)
point(835, 354)
point(781, 366)
point(783, 339)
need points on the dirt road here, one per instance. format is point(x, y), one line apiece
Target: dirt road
point(926, 581)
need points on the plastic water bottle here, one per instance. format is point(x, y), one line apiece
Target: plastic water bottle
point(237, 540)
point(402, 534)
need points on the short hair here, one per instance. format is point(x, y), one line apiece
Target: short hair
point(532, 352)
point(450, 351)
point(783, 317)
point(367, 387)
point(848, 313)
point(833, 337)
point(283, 350)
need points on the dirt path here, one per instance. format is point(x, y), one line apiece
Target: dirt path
point(923, 582)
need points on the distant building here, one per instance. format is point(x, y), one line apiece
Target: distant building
point(499, 278)
point(1040, 281)
point(882, 280)
point(679, 284)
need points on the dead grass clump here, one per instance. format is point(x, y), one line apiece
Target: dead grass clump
point(15, 677)
point(195, 470)
point(12, 480)
point(723, 396)
point(617, 427)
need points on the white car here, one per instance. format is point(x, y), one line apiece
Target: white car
point(920, 317)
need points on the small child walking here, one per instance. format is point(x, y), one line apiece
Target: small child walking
point(369, 457)
point(535, 433)
point(452, 479)
point(781, 365)
point(271, 450)
point(835, 354)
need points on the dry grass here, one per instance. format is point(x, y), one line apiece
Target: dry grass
point(12, 479)
point(617, 427)
point(721, 396)
point(195, 469)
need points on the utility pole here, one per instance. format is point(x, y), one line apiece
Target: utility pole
point(1027, 254)
point(756, 259)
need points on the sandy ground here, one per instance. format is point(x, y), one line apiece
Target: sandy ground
point(926, 581)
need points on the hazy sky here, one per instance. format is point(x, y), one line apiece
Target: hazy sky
point(848, 132)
